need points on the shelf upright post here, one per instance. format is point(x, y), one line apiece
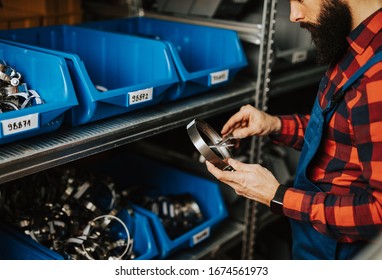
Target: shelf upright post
point(261, 98)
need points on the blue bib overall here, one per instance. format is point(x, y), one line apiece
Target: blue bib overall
point(308, 243)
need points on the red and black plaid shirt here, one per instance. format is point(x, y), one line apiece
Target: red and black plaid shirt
point(348, 164)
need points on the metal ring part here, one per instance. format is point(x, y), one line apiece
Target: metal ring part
point(107, 219)
point(194, 128)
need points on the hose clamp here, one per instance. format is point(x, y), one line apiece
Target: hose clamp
point(222, 154)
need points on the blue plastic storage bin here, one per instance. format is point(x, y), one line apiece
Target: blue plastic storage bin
point(164, 180)
point(137, 72)
point(205, 57)
point(16, 245)
point(48, 75)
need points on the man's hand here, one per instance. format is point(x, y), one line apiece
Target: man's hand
point(249, 180)
point(250, 121)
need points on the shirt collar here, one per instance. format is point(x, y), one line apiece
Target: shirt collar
point(361, 37)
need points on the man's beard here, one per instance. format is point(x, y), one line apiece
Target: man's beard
point(329, 34)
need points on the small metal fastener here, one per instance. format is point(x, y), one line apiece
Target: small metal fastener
point(14, 95)
point(14, 82)
point(4, 77)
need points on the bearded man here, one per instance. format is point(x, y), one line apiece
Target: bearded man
point(335, 203)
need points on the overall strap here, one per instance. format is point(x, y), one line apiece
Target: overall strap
point(372, 61)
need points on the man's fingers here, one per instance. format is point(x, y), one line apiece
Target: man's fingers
point(214, 170)
point(239, 166)
point(228, 177)
point(233, 123)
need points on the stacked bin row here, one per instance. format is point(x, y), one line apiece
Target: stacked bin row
point(135, 72)
point(151, 241)
point(205, 57)
point(118, 66)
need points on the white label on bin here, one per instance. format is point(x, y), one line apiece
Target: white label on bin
point(219, 77)
point(140, 96)
point(201, 236)
point(20, 124)
point(299, 56)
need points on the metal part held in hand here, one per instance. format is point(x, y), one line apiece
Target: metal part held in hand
point(225, 142)
point(194, 128)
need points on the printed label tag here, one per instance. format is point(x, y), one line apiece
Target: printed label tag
point(201, 236)
point(219, 77)
point(299, 56)
point(140, 96)
point(20, 124)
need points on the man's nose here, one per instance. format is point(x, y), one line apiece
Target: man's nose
point(296, 13)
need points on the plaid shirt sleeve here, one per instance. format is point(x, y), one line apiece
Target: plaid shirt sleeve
point(292, 131)
point(355, 213)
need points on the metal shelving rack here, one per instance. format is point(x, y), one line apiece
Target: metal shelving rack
point(262, 93)
point(69, 144)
